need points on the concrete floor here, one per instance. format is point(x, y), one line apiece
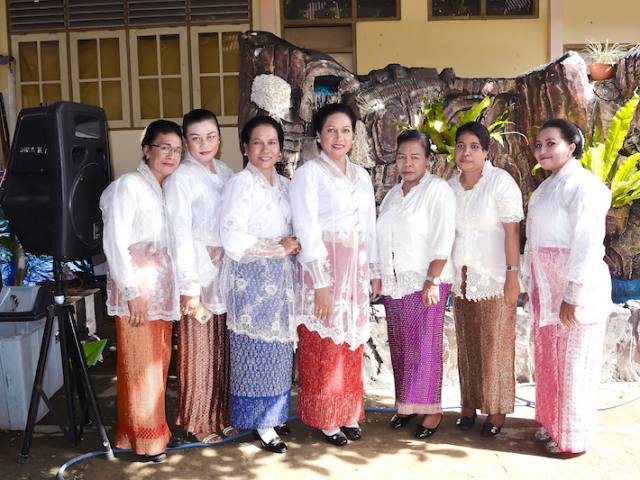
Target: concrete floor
point(382, 453)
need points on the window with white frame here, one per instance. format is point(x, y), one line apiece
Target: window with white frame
point(99, 73)
point(159, 74)
point(215, 60)
point(41, 75)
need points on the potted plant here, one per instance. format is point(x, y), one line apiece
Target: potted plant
point(603, 56)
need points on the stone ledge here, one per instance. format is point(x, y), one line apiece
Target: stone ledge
point(621, 349)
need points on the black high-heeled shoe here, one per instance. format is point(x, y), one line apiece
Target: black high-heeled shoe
point(466, 423)
point(423, 432)
point(352, 433)
point(282, 430)
point(489, 429)
point(400, 421)
point(337, 439)
point(275, 445)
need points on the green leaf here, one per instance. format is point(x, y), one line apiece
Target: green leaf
point(535, 168)
point(475, 111)
point(616, 134)
point(93, 350)
point(498, 138)
point(626, 169)
point(596, 161)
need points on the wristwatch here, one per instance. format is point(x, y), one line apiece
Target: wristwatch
point(433, 280)
point(512, 268)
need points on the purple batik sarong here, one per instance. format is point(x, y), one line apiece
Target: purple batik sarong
point(415, 340)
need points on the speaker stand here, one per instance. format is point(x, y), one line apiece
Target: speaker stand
point(75, 373)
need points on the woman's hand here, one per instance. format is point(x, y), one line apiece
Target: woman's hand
point(568, 314)
point(511, 289)
point(138, 315)
point(189, 305)
point(322, 303)
point(291, 245)
point(430, 294)
point(376, 288)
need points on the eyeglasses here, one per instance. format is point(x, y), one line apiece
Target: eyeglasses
point(167, 151)
point(199, 140)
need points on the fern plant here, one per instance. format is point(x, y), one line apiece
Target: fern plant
point(442, 132)
point(602, 158)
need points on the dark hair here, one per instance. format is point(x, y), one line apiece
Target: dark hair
point(257, 121)
point(196, 116)
point(477, 129)
point(157, 128)
point(320, 117)
point(415, 136)
point(569, 132)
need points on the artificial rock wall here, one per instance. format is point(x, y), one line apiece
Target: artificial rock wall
point(290, 83)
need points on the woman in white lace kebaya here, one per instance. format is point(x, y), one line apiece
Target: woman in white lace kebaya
point(142, 290)
point(334, 218)
point(416, 228)
point(569, 286)
point(257, 285)
point(194, 198)
point(486, 256)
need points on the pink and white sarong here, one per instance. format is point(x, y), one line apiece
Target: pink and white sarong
point(568, 361)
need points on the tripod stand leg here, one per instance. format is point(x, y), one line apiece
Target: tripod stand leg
point(36, 392)
point(87, 385)
point(65, 346)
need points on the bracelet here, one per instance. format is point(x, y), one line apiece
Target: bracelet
point(512, 268)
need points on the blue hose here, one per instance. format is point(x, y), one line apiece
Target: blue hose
point(118, 451)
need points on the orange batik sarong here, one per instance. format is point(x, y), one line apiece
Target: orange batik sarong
point(144, 353)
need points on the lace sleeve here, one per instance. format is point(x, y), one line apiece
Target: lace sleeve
point(179, 215)
point(374, 270)
point(119, 218)
point(508, 199)
point(574, 293)
point(319, 271)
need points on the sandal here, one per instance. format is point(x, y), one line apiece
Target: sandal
point(229, 431)
point(209, 439)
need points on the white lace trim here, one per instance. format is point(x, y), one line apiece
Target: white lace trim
point(337, 335)
point(404, 283)
point(282, 338)
point(166, 316)
point(514, 218)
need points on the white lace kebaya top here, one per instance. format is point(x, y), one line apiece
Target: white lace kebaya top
point(565, 234)
point(137, 245)
point(194, 198)
point(255, 215)
point(326, 201)
point(479, 244)
point(334, 217)
point(413, 230)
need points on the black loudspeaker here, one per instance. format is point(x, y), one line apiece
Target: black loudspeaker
point(58, 167)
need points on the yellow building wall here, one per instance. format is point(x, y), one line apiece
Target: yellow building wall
point(474, 48)
point(616, 20)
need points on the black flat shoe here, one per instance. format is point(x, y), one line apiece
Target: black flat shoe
point(423, 432)
point(352, 433)
point(338, 439)
point(275, 445)
point(157, 458)
point(282, 430)
point(490, 430)
point(466, 423)
point(399, 421)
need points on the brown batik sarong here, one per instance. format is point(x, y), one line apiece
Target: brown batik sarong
point(486, 334)
point(203, 375)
